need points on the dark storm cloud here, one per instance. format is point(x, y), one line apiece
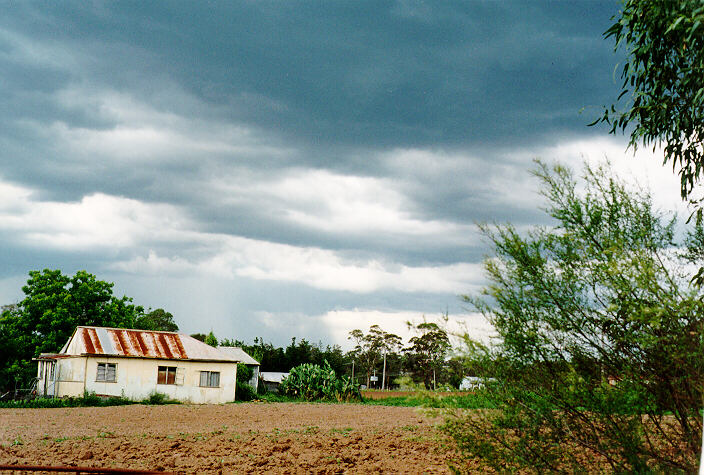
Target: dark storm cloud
point(253, 161)
point(371, 73)
point(338, 82)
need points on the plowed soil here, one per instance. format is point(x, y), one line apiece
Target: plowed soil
point(232, 438)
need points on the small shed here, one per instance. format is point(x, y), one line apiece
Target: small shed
point(136, 363)
point(272, 379)
point(239, 354)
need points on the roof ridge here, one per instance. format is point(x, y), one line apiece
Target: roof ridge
point(133, 330)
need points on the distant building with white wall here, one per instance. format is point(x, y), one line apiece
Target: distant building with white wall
point(136, 363)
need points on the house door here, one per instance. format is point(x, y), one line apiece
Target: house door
point(45, 377)
point(49, 379)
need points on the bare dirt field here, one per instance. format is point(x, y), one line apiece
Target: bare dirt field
point(232, 438)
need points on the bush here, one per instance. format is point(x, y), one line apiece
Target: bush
point(311, 382)
point(89, 399)
point(406, 383)
point(599, 365)
point(244, 392)
point(262, 390)
point(158, 399)
point(244, 373)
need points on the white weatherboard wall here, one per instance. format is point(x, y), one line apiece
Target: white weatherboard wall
point(136, 378)
point(67, 378)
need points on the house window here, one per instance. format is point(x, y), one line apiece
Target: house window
point(107, 372)
point(210, 379)
point(166, 375)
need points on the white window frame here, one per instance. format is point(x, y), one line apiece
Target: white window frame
point(169, 373)
point(106, 373)
point(209, 379)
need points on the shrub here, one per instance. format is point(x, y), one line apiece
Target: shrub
point(157, 399)
point(599, 363)
point(261, 387)
point(89, 399)
point(244, 373)
point(313, 383)
point(244, 392)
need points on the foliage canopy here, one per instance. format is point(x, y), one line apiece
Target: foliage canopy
point(662, 94)
point(53, 306)
point(426, 352)
point(156, 320)
point(371, 347)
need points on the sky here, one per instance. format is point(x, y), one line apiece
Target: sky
point(294, 169)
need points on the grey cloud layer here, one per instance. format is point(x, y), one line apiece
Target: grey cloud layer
point(362, 138)
point(381, 73)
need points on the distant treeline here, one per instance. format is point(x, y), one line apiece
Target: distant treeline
point(426, 360)
point(273, 358)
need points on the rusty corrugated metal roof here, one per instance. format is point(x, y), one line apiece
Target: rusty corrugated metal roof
point(142, 343)
point(115, 341)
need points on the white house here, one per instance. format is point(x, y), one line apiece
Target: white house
point(135, 363)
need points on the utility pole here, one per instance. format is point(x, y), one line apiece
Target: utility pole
point(383, 374)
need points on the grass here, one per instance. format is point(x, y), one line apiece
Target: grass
point(404, 401)
point(435, 401)
point(426, 399)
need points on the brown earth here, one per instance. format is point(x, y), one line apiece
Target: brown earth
point(232, 438)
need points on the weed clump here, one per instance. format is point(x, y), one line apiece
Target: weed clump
point(244, 392)
point(158, 399)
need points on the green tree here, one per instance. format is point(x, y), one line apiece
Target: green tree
point(425, 355)
point(370, 348)
point(296, 353)
point(270, 358)
point(9, 350)
point(53, 306)
point(662, 96)
point(211, 340)
point(599, 365)
point(244, 373)
point(156, 320)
